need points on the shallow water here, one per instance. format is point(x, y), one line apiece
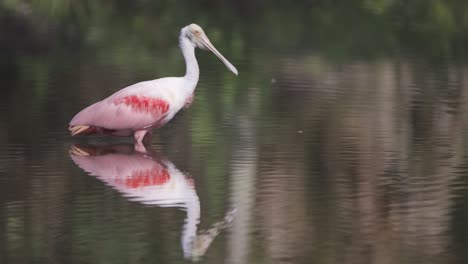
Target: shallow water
point(333, 145)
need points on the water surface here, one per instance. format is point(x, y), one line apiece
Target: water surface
point(342, 140)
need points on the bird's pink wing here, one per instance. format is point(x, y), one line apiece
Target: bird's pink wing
point(124, 111)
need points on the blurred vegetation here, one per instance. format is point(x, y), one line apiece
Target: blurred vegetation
point(337, 28)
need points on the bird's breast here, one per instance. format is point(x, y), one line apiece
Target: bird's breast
point(189, 101)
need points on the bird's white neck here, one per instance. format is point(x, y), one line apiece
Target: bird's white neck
point(192, 70)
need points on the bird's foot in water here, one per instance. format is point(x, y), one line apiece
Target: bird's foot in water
point(142, 138)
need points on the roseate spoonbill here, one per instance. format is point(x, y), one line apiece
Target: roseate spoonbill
point(140, 107)
point(148, 178)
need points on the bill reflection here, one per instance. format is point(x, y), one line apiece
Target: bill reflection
point(148, 178)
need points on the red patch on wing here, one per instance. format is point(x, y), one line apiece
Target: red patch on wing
point(145, 178)
point(145, 104)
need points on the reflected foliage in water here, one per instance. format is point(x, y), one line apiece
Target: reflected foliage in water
point(342, 140)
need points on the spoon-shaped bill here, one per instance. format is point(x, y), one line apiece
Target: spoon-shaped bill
point(210, 46)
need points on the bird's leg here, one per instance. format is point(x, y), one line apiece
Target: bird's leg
point(139, 136)
point(148, 137)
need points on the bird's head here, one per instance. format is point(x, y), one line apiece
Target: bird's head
point(195, 34)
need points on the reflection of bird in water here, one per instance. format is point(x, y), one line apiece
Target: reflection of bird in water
point(148, 178)
point(137, 109)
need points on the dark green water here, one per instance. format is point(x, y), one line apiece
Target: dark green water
point(342, 140)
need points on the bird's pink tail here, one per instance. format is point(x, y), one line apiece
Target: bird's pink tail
point(82, 130)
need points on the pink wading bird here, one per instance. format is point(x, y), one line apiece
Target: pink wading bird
point(139, 108)
point(150, 179)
